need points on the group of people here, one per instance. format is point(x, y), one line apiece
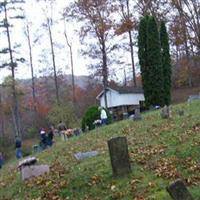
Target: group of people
point(46, 137)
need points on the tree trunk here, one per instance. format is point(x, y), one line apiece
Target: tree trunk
point(72, 70)
point(15, 100)
point(132, 58)
point(105, 73)
point(54, 63)
point(31, 65)
point(72, 67)
point(2, 120)
point(183, 23)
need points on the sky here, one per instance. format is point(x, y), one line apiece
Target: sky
point(36, 16)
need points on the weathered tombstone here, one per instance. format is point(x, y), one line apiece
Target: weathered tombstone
point(137, 115)
point(178, 191)
point(28, 168)
point(165, 112)
point(118, 149)
point(83, 155)
point(28, 172)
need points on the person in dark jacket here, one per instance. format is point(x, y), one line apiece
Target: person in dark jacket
point(43, 138)
point(1, 160)
point(50, 136)
point(18, 147)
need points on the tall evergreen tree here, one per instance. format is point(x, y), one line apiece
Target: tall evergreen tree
point(166, 63)
point(11, 10)
point(154, 64)
point(142, 53)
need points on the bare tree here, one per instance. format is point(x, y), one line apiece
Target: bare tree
point(48, 24)
point(97, 16)
point(72, 63)
point(27, 33)
point(189, 20)
point(127, 26)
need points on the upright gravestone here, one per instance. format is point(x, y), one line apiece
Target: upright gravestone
point(118, 149)
point(165, 112)
point(178, 191)
point(137, 115)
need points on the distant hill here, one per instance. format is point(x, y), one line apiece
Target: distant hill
point(81, 81)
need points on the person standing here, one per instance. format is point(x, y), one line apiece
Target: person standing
point(61, 130)
point(18, 147)
point(43, 138)
point(104, 117)
point(50, 136)
point(1, 160)
point(61, 126)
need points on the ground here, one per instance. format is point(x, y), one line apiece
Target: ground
point(161, 150)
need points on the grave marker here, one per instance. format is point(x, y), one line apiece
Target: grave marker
point(137, 115)
point(178, 191)
point(118, 149)
point(165, 112)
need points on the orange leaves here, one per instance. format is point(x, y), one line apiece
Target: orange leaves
point(196, 127)
point(143, 154)
point(125, 26)
point(192, 165)
point(51, 183)
point(166, 168)
point(133, 184)
point(194, 180)
point(94, 180)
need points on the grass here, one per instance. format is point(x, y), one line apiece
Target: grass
point(160, 152)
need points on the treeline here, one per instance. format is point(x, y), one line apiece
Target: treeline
point(108, 31)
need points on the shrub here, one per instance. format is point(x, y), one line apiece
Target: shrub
point(32, 132)
point(92, 114)
point(64, 113)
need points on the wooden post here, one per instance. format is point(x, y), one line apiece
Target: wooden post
point(178, 191)
point(118, 149)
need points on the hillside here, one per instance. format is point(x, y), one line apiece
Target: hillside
point(81, 81)
point(160, 151)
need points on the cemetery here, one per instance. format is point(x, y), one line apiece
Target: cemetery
point(151, 158)
point(88, 102)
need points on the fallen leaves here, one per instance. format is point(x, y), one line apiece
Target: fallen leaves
point(142, 154)
point(166, 168)
point(94, 180)
point(51, 183)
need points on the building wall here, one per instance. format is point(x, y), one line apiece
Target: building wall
point(115, 99)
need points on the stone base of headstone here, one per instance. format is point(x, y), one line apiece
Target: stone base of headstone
point(178, 191)
point(28, 172)
point(137, 115)
point(118, 149)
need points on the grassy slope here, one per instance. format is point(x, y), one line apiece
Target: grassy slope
point(160, 151)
